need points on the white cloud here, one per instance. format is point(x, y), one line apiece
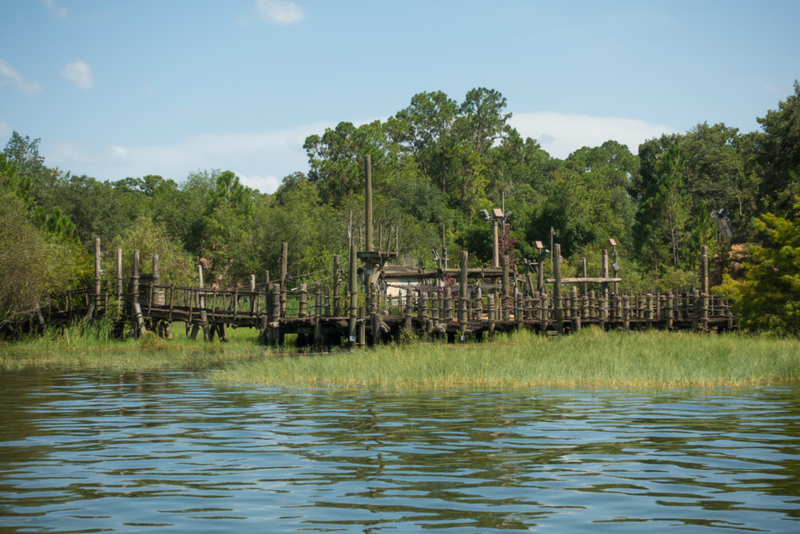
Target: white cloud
point(263, 183)
point(560, 135)
point(7, 71)
point(771, 87)
point(66, 155)
point(261, 160)
point(55, 9)
point(79, 73)
point(5, 129)
point(279, 12)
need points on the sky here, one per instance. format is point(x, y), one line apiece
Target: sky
point(127, 89)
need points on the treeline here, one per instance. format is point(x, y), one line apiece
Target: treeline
point(436, 162)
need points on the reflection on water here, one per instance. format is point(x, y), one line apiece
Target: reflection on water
point(120, 453)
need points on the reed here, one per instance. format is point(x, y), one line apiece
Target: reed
point(590, 359)
point(89, 346)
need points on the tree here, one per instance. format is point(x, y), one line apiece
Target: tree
point(481, 119)
point(664, 211)
point(229, 208)
point(150, 238)
point(779, 153)
point(768, 298)
point(31, 264)
point(24, 154)
point(56, 224)
point(428, 135)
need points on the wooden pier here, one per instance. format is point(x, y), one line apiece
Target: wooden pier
point(483, 302)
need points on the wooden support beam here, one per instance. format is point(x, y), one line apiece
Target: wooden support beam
point(584, 280)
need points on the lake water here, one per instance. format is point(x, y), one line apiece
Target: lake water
point(159, 452)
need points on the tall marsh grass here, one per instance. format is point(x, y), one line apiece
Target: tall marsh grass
point(591, 359)
point(90, 345)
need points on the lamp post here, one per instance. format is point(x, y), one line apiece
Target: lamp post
point(495, 218)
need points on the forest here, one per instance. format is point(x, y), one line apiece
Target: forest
point(435, 164)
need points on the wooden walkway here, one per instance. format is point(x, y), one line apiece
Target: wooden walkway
point(320, 319)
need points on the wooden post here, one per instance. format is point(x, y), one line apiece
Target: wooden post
point(576, 316)
point(506, 292)
point(252, 294)
point(670, 311)
point(492, 310)
point(408, 311)
point(368, 200)
point(540, 273)
point(625, 313)
point(584, 273)
point(97, 273)
point(362, 329)
point(336, 280)
point(557, 300)
point(284, 275)
point(447, 301)
point(135, 296)
point(201, 301)
point(704, 311)
point(729, 315)
point(353, 287)
point(495, 245)
point(462, 301)
point(423, 311)
point(156, 271)
point(268, 306)
point(274, 326)
point(584, 306)
point(704, 270)
point(303, 300)
point(695, 309)
point(318, 315)
point(119, 279)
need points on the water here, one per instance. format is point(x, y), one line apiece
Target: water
point(161, 452)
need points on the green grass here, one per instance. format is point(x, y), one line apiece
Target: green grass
point(590, 359)
point(85, 346)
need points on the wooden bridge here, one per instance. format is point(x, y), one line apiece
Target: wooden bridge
point(484, 302)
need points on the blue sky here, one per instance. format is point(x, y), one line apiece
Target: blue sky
point(117, 89)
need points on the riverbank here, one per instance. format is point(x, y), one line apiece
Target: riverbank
point(590, 359)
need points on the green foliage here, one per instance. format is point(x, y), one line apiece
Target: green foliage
point(23, 153)
point(779, 153)
point(31, 264)
point(55, 223)
point(12, 180)
point(660, 229)
point(23, 259)
point(175, 265)
point(768, 298)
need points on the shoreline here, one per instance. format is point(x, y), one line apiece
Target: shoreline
point(588, 360)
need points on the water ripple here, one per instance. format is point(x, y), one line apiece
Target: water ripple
point(122, 453)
